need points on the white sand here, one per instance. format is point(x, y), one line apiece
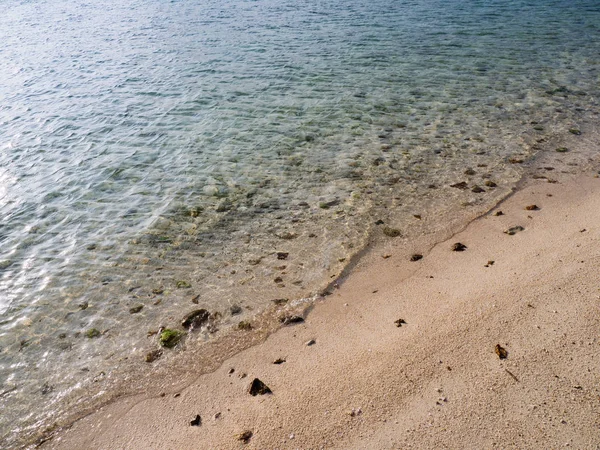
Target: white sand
point(435, 382)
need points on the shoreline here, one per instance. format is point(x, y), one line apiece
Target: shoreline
point(370, 291)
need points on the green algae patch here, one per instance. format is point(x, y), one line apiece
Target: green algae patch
point(170, 338)
point(93, 333)
point(181, 284)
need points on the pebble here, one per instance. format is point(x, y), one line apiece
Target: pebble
point(311, 342)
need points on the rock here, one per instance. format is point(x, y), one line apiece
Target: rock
point(217, 416)
point(416, 257)
point(279, 361)
point(491, 184)
point(515, 161)
point(195, 319)
point(282, 255)
point(290, 320)
point(235, 310)
point(458, 247)
point(197, 421)
point(562, 149)
point(514, 230)
point(257, 387)
point(244, 325)
point(400, 322)
point(181, 284)
point(136, 309)
point(532, 208)
point(498, 213)
point(311, 342)
point(575, 131)
point(470, 172)
point(462, 185)
point(170, 338)
point(501, 351)
point(287, 235)
point(230, 371)
point(244, 437)
point(278, 280)
point(280, 301)
point(477, 189)
point(391, 232)
point(153, 355)
point(83, 306)
point(93, 333)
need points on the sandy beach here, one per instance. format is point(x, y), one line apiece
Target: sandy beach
point(494, 346)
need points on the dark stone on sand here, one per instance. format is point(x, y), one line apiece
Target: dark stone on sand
point(459, 247)
point(280, 301)
point(153, 355)
point(416, 257)
point(282, 255)
point(379, 222)
point(196, 421)
point(498, 213)
point(391, 232)
point(514, 230)
point(278, 280)
point(532, 208)
point(562, 149)
point(477, 189)
point(311, 342)
point(170, 338)
point(501, 351)
point(290, 320)
point(462, 185)
point(400, 322)
point(91, 247)
point(244, 437)
point(575, 131)
point(515, 160)
point(46, 389)
point(195, 318)
point(470, 171)
point(235, 310)
point(490, 183)
point(136, 309)
point(83, 306)
point(257, 387)
point(279, 361)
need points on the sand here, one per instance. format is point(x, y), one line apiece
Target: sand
point(434, 382)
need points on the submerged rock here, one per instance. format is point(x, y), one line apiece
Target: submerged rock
point(170, 338)
point(153, 355)
point(93, 333)
point(195, 319)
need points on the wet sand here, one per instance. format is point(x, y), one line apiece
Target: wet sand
point(435, 381)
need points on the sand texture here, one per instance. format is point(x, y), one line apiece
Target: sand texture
point(435, 381)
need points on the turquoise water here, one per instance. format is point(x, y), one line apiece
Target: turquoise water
point(160, 154)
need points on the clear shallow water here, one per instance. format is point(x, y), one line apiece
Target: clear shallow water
point(152, 145)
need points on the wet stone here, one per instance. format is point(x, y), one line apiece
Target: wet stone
point(416, 257)
point(170, 338)
point(153, 355)
point(391, 232)
point(282, 255)
point(462, 185)
point(92, 333)
point(514, 230)
point(498, 213)
point(477, 189)
point(195, 319)
point(136, 309)
point(257, 387)
point(290, 320)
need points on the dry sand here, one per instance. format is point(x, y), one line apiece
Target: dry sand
point(434, 382)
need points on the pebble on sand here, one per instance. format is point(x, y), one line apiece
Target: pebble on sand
point(257, 387)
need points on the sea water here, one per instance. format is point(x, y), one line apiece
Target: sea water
point(162, 156)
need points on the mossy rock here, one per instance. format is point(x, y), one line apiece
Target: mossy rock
point(562, 149)
point(93, 333)
point(181, 284)
point(170, 338)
